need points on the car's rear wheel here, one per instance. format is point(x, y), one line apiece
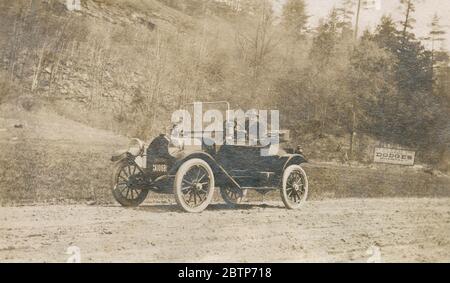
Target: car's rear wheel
point(295, 187)
point(194, 185)
point(128, 184)
point(232, 197)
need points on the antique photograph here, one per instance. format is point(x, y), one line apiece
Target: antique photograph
point(224, 131)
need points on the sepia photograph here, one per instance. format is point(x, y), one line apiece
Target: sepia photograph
point(225, 131)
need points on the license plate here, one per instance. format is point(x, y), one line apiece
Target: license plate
point(159, 168)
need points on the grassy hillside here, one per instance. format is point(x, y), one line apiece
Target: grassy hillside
point(45, 157)
point(48, 158)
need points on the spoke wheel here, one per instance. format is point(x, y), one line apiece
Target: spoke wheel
point(295, 187)
point(127, 185)
point(232, 197)
point(194, 185)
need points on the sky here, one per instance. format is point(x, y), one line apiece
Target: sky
point(425, 10)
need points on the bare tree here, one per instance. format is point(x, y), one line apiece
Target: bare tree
point(38, 68)
point(261, 41)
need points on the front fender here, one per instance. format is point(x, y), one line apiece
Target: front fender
point(122, 154)
point(135, 149)
point(220, 174)
point(119, 155)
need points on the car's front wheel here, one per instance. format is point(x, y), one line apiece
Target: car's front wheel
point(294, 191)
point(194, 185)
point(128, 184)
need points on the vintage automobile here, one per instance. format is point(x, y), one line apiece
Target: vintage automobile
point(192, 173)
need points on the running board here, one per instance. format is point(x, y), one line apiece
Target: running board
point(260, 188)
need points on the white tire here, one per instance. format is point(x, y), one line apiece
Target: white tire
point(294, 191)
point(194, 185)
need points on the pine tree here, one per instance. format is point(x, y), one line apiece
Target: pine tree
point(324, 43)
point(346, 11)
point(413, 106)
point(439, 56)
point(294, 18)
point(436, 35)
point(409, 8)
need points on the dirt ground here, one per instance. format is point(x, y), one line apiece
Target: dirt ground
point(345, 230)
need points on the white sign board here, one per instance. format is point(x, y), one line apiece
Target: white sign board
point(394, 156)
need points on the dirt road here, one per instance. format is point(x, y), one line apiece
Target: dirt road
point(411, 230)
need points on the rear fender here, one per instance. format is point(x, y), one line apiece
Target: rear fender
point(294, 159)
